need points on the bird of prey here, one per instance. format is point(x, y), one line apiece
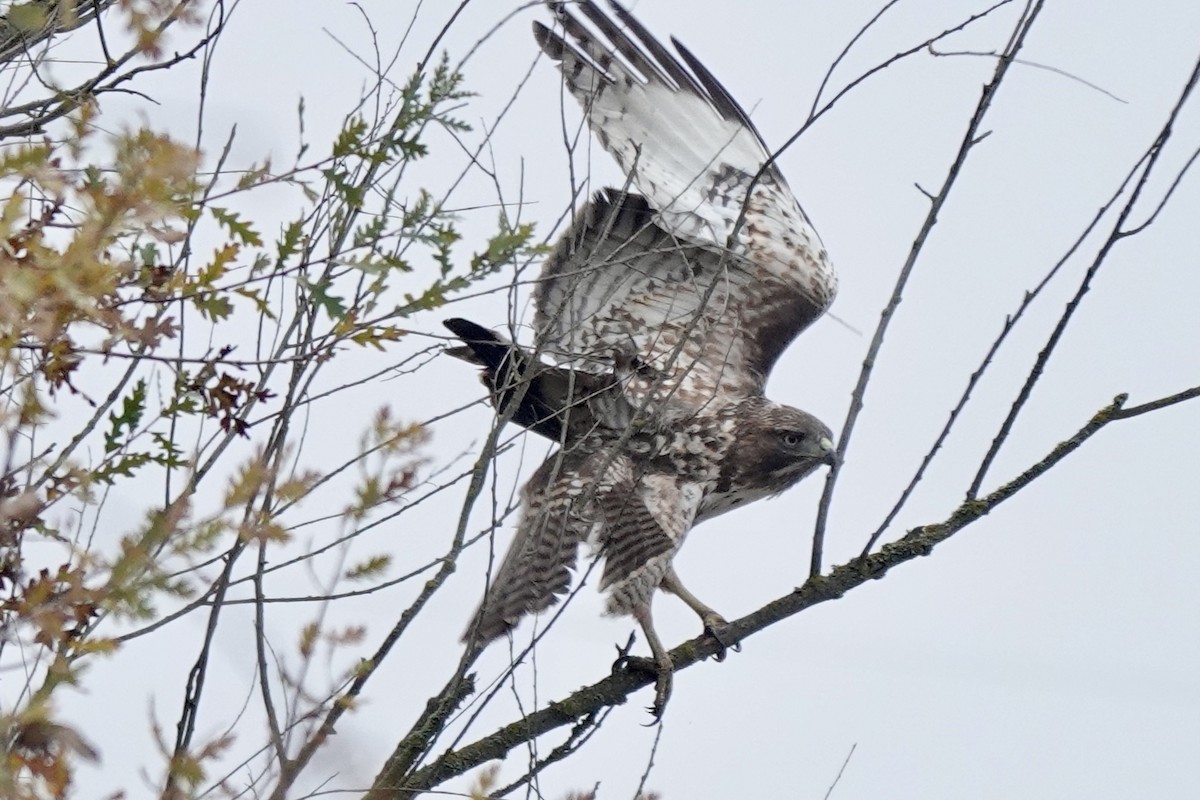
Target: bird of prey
point(658, 318)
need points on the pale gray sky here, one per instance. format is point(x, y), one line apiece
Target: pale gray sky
point(1049, 651)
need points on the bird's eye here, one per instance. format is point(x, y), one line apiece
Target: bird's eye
point(792, 438)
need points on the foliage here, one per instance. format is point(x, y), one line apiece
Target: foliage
point(131, 280)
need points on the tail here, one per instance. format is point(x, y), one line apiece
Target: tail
point(506, 367)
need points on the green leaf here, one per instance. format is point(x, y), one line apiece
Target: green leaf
point(371, 232)
point(372, 567)
point(319, 296)
point(255, 297)
point(123, 466)
point(376, 335)
point(240, 230)
point(148, 254)
point(289, 244)
point(169, 455)
point(346, 189)
point(216, 269)
point(132, 408)
point(350, 141)
point(213, 306)
point(253, 175)
point(27, 17)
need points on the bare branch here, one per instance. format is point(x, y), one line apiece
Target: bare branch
point(1155, 405)
point(1027, 63)
point(1118, 232)
point(841, 770)
point(1009, 325)
point(616, 688)
point(970, 139)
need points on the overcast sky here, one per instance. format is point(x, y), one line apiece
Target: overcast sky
point(1051, 650)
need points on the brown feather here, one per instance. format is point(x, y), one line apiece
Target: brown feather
point(663, 311)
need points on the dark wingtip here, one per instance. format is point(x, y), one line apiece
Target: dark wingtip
point(550, 42)
point(464, 353)
point(475, 337)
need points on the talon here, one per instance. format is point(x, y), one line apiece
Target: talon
point(623, 657)
point(715, 626)
point(635, 664)
point(662, 665)
point(663, 675)
point(662, 693)
point(629, 663)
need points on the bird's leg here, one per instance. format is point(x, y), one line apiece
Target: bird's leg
point(714, 623)
point(664, 667)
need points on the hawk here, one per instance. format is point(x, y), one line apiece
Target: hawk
point(658, 318)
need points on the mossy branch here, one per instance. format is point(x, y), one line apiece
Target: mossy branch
point(616, 688)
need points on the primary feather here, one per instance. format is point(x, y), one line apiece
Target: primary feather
point(707, 274)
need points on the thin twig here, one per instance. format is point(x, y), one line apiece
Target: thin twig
point(1033, 64)
point(857, 397)
point(638, 793)
point(580, 733)
point(1118, 232)
point(838, 777)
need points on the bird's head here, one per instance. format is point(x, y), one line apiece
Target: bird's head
point(776, 445)
point(798, 442)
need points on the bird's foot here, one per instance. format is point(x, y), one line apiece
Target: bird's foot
point(662, 691)
point(635, 664)
point(716, 626)
point(663, 673)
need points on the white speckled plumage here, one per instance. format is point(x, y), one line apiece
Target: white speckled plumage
point(638, 275)
point(664, 311)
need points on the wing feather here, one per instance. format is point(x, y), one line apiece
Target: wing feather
point(636, 522)
point(561, 404)
point(660, 280)
point(693, 328)
point(536, 570)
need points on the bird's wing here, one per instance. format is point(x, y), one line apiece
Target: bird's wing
point(674, 279)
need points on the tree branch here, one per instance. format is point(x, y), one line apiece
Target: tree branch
point(1010, 323)
point(969, 140)
point(616, 688)
point(1118, 232)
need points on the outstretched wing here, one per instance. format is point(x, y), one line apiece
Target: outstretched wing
point(675, 279)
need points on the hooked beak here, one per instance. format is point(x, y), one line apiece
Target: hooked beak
point(828, 452)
